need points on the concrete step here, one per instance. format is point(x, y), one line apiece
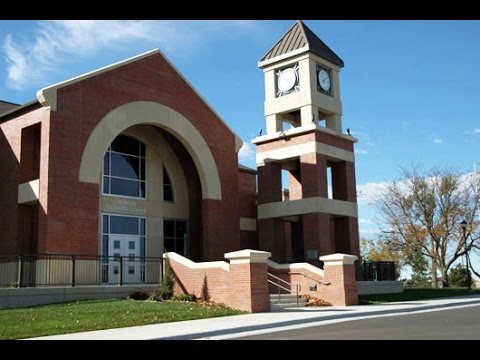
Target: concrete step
point(286, 301)
point(288, 305)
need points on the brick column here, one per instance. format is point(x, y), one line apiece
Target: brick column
point(340, 273)
point(248, 286)
point(271, 232)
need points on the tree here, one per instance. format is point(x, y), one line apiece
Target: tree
point(422, 213)
point(378, 250)
point(458, 276)
point(419, 265)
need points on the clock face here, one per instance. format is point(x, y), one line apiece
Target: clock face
point(324, 80)
point(287, 81)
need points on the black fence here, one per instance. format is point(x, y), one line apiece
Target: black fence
point(378, 271)
point(73, 270)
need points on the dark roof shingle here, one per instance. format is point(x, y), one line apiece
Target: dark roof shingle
point(6, 106)
point(298, 37)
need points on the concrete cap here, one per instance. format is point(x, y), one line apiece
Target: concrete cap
point(338, 259)
point(247, 256)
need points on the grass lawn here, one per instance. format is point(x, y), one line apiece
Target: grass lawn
point(100, 314)
point(412, 294)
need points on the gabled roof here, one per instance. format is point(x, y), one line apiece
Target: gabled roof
point(48, 95)
point(297, 40)
point(6, 106)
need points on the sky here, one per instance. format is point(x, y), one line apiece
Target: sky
point(410, 89)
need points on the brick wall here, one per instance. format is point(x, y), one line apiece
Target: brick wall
point(244, 284)
point(241, 286)
point(72, 223)
point(336, 285)
point(11, 152)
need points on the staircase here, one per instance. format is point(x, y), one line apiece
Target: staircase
point(284, 295)
point(286, 301)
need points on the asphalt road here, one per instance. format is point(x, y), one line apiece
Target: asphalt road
point(463, 323)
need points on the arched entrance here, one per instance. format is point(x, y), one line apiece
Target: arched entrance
point(181, 156)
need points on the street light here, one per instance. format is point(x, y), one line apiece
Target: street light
point(464, 224)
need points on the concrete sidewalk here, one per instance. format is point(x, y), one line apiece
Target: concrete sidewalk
point(250, 324)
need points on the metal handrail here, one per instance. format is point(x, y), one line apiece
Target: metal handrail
point(298, 287)
point(311, 278)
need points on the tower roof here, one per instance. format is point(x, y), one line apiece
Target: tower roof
point(297, 40)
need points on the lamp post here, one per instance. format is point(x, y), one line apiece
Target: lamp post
point(464, 224)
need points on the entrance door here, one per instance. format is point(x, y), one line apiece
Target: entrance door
point(127, 247)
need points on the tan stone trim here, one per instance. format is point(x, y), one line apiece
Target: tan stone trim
point(194, 265)
point(48, 95)
point(248, 224)
point(248, 256)
point(307, 206)
point(150, 113)
point(338, 259)
point(262, 64)
point(295, 151)
point(29, 192)
point(296, 267)
point(301, 130)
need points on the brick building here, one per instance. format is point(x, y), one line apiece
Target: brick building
point(130, 160)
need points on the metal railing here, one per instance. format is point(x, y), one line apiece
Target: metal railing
point(73, 270)
point(378, 271)
point(281, 284)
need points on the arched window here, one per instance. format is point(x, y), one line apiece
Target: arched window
point(124, 168)
point(167, 186)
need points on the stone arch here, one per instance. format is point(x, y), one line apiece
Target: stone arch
point(150, 113)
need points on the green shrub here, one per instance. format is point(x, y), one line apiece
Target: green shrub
point(165, 291)
point(138, 295)
point(184, 297)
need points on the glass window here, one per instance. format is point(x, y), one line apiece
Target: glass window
point(131, 245)
point(125, 187)
point(124, 168)
point(125, 225)
point(167, 186)
point(142, 226)
point(131, 270)
point(175, 236)
point(126, 145)
point(116, 244)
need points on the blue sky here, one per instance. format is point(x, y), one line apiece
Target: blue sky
point(410, 89)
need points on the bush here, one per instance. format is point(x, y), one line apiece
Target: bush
point(165, 291)
point(138, 295)
point(458, 276)
point(184, 297)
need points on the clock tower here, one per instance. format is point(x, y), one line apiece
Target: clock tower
point(305, 146)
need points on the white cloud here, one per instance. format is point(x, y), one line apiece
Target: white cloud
point(438, 141)
point(58, 41)
point(361, 151)
point(476, 130)
point(246, 153)
point(363, 221)
point(367, 193)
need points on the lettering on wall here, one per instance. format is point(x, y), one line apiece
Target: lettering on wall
point(124, 205)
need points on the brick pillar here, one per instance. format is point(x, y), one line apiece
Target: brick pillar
point(343, 181)
point(317, 236)
point(271, 232)
point(340, 273)
point(313, 173)
point(248, 285)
